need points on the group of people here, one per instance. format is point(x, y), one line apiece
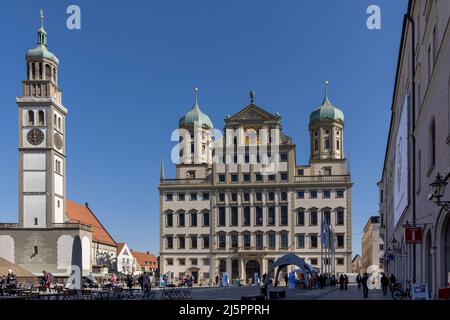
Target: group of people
point(8, 281)
point(384, 281)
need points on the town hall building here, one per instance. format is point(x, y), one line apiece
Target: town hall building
point(241, 201)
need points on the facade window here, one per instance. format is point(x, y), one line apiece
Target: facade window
point(339, 193)
point(246, 197)
point(283, 176)
point(313, 238)
point(221, 178)
point(246, 216)
point(258, 216)
point(283, 157)
point(182, 261)
point(258, 196)
point(316, 145)
point(327, 143)
point(340, 217)
point(31, 118)
point(258, 177)
point(181, 219)
point(313, 261)
point(313, 218)
point(300, 241)
point(300, 218)
point(247, 158)
point(234, 178)
point(169, 197)
point(271, 177)
point(340, 261)
point(234, 197)
point(271, 240)
point(283, 196)
point(194, 261)
point(193, 197)
point(313, 194)
point(271, 196)
point(222, 241)
point(259, 241)
point(327, 217)
point(283, 216)
point(181, 196)
point(284, 242)
point(222, 197)
point(206, 219)
point(181, 242)
point(247, 241)
point(432, 143)
point(234, 240)
point(340, 240)
point(300, 172)
point(41, 119)
point(169, 242)
point(381, 247)
point(300, 194)
point(169, 220)
point(206, 261)
point(205, 242)
point(326, 194)
point(35, 221)
point(338, 144)
point(205, 196)
point(169, 262)
point(234, 216)
point(222, 216)
point(193, 242)
point(271, 218)
point(246, 177)
point(193, 219)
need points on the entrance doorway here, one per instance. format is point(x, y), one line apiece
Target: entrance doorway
point(251, 268)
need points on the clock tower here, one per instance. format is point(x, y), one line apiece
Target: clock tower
point(42, 156)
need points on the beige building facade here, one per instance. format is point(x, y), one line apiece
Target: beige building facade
point(372, 246)
point(418, 148)
point(232, 210)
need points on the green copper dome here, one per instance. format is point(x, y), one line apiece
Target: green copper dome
point(195, 116)
point(41, 50)
point(326, 111)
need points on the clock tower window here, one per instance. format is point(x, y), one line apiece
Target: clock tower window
point(31, 118)
point(41, 118)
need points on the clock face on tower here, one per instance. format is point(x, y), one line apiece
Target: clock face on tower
point(58, 141)
point(35, 136)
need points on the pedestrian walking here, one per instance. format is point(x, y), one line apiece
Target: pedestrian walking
point(392, 281)
point(364, 280)
point(358, 280)
point(384, 283)
point(286, 279)
point(341, 282)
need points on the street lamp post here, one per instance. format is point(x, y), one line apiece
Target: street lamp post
point(437, 192)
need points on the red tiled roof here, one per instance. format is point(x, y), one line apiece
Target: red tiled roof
point(120, 246)
point(143, 257)
point(81, 214)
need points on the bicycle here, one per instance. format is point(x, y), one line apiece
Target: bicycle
point(398, 293)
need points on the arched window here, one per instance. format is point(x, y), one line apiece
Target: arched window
point(40, 70)
point(59, 123)
point(327, 143)
point(337, 144)
point(41, 118)
point(31, 118)
point(54, 74)
point(48, 72)
point(204, 149)
point(432, 142)
point(54, 120)
point(33, 71)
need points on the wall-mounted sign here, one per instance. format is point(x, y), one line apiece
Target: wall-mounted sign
point(413, 235)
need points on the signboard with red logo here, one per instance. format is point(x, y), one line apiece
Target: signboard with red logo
point(413, 235)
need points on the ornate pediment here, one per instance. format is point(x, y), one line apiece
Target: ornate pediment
point(253, 112)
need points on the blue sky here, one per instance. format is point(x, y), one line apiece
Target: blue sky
point(128, 75)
